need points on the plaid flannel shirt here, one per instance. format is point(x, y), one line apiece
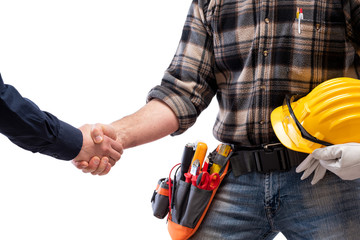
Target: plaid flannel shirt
point(250, 54)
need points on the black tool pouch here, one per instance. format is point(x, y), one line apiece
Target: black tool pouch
point(189, 203)
point(160, 199)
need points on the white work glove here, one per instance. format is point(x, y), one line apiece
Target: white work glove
point(341, 159)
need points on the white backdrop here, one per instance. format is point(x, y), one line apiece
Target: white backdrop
point(89, 61)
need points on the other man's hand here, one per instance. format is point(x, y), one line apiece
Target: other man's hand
point(100, 151)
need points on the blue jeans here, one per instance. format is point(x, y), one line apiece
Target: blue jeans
point(258, 206)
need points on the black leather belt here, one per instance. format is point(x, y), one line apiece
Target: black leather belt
point(264, 159)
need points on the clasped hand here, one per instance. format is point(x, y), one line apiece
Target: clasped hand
point(100, 150)
point(341, 159)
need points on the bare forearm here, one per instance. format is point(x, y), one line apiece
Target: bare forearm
point(153, 121)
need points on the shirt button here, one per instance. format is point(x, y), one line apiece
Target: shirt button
point(262, 87)
point(267, 20)
point(266, 52)
point(261, 122)
point(317, 26)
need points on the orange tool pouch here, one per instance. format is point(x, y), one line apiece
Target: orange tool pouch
point(189, 208)
point(186, 204)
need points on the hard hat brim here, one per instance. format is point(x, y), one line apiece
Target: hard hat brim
point(276, 122)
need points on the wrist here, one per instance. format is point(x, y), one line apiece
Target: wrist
point(122, 134)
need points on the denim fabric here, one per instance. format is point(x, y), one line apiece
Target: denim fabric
point(259, 206)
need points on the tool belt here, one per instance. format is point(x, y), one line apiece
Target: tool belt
point(185, 197)
point(264, 159)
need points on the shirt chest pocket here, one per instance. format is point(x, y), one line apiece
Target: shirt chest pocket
point(319, 45)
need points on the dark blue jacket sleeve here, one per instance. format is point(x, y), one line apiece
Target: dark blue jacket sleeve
point(35, 130)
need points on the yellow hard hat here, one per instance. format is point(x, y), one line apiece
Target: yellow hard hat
point(329, 114)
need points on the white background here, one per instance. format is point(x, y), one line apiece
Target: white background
point(89, 61)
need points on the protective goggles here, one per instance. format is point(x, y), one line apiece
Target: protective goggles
point(290, 121)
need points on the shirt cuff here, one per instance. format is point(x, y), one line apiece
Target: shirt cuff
point(180, 104)
point(68, 144)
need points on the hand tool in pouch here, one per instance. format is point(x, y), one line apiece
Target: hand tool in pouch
point(186, 159)
point(223, 152)
point(200, 153)
point(197, 162)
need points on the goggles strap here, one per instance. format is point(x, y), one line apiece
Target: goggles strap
point(303, 132)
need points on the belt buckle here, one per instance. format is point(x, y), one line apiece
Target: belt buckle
point(271, 159)
point(270, 146)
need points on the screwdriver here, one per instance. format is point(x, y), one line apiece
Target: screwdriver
point(200, 153)
point(186, 159)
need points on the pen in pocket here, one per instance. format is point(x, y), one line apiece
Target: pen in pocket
point(300, 16)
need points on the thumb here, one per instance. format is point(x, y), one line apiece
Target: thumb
point(97, 133)
point(105, 129)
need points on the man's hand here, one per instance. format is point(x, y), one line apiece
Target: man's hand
point(341, 159)
point(99, 141)
point(153, 121)
point(95, 166)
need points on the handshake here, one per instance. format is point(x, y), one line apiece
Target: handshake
point(100, 149)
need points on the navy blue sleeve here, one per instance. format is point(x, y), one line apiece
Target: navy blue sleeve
point(32, 129)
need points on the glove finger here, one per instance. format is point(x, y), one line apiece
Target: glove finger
point(310, 169)
point(319, 174)
point(305, 164)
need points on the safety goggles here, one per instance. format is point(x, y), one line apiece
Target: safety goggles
point(290, 121)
